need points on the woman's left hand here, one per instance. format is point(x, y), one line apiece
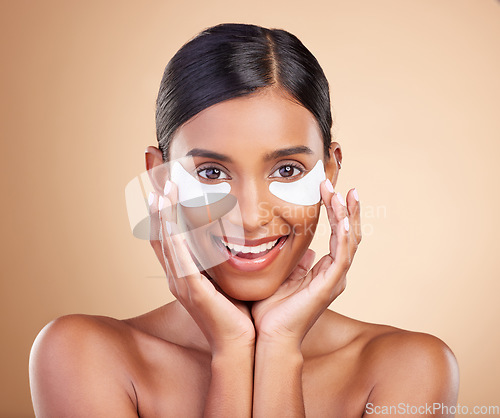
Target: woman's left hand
point(287, 315)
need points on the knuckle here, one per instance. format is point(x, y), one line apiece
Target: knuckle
point(340, 214)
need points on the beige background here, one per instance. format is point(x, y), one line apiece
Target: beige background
point(415, 92)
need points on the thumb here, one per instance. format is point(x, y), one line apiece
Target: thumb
point(303, 266)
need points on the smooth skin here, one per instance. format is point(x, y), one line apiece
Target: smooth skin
point(241, 344)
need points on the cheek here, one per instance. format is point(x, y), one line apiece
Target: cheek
point(203, 248)
point(302, 220)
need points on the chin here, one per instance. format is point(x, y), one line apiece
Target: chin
point(247, 288)
point(248, 292)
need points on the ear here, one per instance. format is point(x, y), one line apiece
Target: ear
point(157, 170)
point(333, 165)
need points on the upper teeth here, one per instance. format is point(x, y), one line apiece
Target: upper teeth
point(255, 250)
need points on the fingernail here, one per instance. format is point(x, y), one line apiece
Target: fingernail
point(160, 203)
point(355, 194)
point(329, 185)
point(151, 198)
point(168, 227)
point(168, 186)
point(346, 223)
point(341, 199)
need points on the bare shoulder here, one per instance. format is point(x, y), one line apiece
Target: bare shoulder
point(386, 349)
point(358, 368)
point(385, 345)
point(76, 336)
point(77, 367)
point(411, 368)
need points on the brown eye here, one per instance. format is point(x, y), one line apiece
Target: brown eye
point(212, 173)
point(287, 171)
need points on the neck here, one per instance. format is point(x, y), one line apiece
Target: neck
point(173, 323)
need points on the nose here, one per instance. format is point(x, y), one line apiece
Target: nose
point(255, 208)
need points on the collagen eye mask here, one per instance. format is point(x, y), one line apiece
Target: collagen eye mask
point(193, 193)
point(304, 192)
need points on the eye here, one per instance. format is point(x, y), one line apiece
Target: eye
point(287, 171)
point(212, 173)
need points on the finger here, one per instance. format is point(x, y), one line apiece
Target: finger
point(154, 219)
point(168, 270)
point(170, 200)
point(339, 207)
point(327, 193)
point(185, 262)
point(342, 260)
point(170, 259)
point(168, 217)
point(339, 244)
point(198, 284)
point(155, 232)
point(190, 283)
point(154, 228)
point(354, 209)
point(337, 221)
point(355, 224)
point(331, 270)
point(169, 214)
point(322, 265)
point(156, 241)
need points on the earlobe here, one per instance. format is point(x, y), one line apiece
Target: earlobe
point(157, 171)
point(335, 163)
point(336, 153)
point(153, 156)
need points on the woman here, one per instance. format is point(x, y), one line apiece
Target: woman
point(249, 333)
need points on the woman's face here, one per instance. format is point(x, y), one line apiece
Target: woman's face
point(250, 142)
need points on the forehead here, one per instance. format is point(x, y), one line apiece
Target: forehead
point(249, 127)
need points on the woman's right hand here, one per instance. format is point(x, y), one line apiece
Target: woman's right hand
point(226, 323)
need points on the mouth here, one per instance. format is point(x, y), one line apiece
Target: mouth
point(250, 255)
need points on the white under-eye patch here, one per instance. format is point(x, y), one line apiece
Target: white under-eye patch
point(193, 193)
point(304, 192)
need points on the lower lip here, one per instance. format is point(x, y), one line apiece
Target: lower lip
point(252, 264)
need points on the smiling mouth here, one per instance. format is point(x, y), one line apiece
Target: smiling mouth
point(249, 252)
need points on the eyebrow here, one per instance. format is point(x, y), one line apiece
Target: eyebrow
point(302, 149)
point(284, 152)
point(199, 152)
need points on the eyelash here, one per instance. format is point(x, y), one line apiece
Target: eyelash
point(208, 167)
point(288, 164)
